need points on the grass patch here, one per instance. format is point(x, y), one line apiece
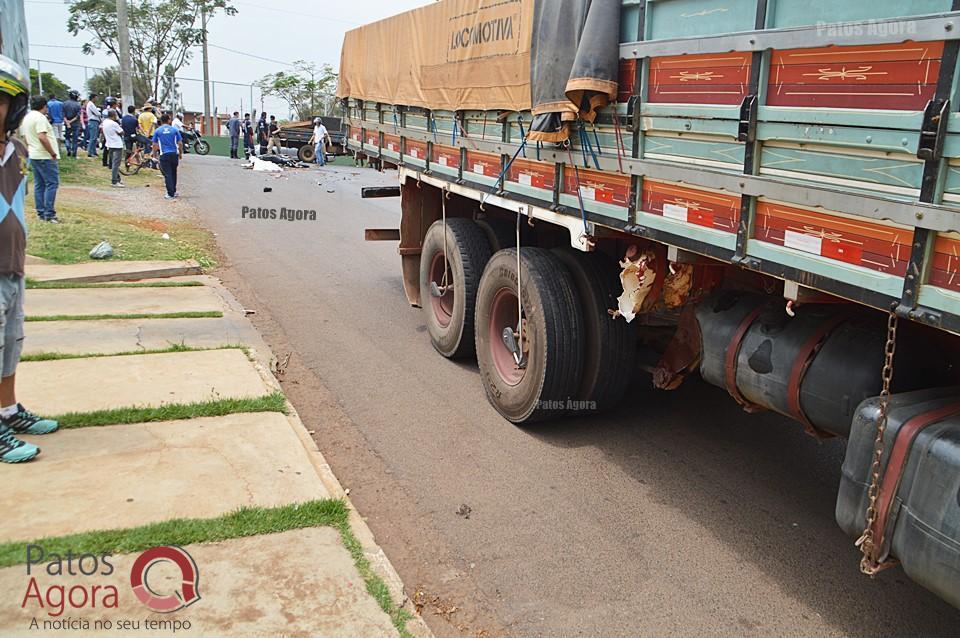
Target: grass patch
point(211, 314)
point(242, 523)
point(66, 285)
point(274, 402)
point(176, 347)
point(375, 585)
point(246, 521)
point(86, 219)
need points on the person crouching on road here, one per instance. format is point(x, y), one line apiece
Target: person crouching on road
point(15, 420)
point(113, 136)
point(168, 142)
point(44, 152)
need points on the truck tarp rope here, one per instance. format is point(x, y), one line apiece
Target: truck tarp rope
point(574, 63)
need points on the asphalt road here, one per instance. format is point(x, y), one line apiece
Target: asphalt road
point(677, 515)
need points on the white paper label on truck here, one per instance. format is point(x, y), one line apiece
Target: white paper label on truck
point(588, 192)
point(478, 169)
point(414, 154)
point(526, 179)
point(673, 211)
point(390, 146)
point(802, 241)
point(442, 161)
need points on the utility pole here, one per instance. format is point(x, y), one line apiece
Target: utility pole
point(206, 71)
point(123, 36)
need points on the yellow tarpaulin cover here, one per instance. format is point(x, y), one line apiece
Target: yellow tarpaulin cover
point(451, 55)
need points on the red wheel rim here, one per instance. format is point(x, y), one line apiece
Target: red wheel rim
point(503, 314)
point(442, 306)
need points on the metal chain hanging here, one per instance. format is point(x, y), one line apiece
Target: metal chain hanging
point(870, 564)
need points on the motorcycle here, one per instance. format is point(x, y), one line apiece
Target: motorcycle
point(193, 136)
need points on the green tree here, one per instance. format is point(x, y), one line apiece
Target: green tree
point(107, 82)
point(51, 84)
point(308, 89)
point(161, 35)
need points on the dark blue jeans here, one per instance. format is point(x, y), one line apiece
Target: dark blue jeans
point(93, 135)
point(71, 137)
point(168, 166)
point(46, 181)
point(234, 144)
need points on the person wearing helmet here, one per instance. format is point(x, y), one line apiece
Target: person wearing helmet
point(71, 122)
point(113, 144)
point(320, 139)
point(14, 418)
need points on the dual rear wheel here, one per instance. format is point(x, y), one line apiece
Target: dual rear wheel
point(569, 357)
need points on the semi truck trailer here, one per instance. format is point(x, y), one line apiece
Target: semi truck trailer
point(600, 195)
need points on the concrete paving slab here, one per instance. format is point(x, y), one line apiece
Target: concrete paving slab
point(85, 385)
point(129, 335)
point(121, 301)
point(97, 271)
point(33, 260)
point(130, 475)
point(300, 583)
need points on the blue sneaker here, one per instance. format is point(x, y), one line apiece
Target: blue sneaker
point(13, 450)
point(26, 422)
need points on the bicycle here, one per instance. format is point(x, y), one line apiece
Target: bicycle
point(137, 159)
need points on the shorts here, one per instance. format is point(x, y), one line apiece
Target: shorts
point(11, 322)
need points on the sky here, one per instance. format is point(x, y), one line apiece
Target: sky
point(279, 30)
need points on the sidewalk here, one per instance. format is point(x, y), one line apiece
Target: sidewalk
point(175, 434)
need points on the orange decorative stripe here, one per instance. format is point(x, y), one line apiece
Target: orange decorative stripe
point(946, 263)
point(532, 173)
point(446, 156)
point(595, 186)
point(702, 208)
point(415, 149)
point(485, 164)
point(391, 142)
point(862, 243)
point(887, 76)
point(714, 78)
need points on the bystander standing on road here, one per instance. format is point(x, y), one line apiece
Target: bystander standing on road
point(92, 126)
point(168, 142)
point(147, 120)
point(129, 125)
point(44, 152)
point(262, 130)
point(248, 147)
point(71, 123)
point(109, 103)
point(113, 136)
point(273, 141)
point(233, 127)
point(55, 113)
point(319, 139)
point(14, 418)
point(82, 137)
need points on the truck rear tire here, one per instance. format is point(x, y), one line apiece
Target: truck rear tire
point(610, 346)
point(552, 339)
point(307, 153)
point(450, 316)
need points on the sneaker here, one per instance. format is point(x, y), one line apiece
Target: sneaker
point(53, 220)
point(13, 450)
point(168, 196)
point(26, 422)
point(118, 185)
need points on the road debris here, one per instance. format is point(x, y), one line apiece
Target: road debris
point(103, 250)
point(464, 511)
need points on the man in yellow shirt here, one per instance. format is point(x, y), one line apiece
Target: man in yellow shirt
point(44, 152)
point(147, 121)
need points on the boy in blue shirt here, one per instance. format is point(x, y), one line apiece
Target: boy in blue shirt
point(168, 142)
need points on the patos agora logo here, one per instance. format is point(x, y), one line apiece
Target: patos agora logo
point(186, 595)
